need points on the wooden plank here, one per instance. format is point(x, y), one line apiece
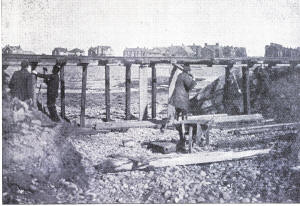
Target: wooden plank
point(107, 92)
point(246, 90)
point(172, 81)
point(62, 92)
point(127, 124)
point(83, 94)
point(206, 116)
point(143, 92)
point(154, 90)
point(128, 87)
point(125, 163)
point(271, 126)
point(205, 157)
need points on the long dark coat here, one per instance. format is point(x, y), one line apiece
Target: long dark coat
point(180, 96)
point(21, 85)
point(52, 81)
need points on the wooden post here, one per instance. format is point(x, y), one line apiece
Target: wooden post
point(154, 91)
point(34, 79)
point(128, 87)
point(246, 90)
point(226, 86)
point(107, 92)
point(190, 138)
point(62, 92)
point(83, 93)
point(143, 92)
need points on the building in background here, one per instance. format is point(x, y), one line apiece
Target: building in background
point(15, 50)
point(101, 51)
point(76, 52)
point(60, 51)
point(135, 52)
point(277, 50)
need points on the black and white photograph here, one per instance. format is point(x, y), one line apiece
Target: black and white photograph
point(150, 101)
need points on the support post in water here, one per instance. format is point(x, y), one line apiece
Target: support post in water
point(107, 92)
point(62, 64)
point(154, 91)
point(128, 87)
point(246, 90)
point(83, 93)
point(33, 65)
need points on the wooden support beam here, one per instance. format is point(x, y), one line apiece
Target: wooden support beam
point(83, 93)
point(226, 86)
point(128, 87)
point(62, 64)
point(246, 90)
point(190, 138)
point(107, 92)
point(127, 124)
point(33, 65)
point(154, 90)
point(143, 92)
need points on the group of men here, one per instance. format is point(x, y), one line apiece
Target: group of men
point(21, 86)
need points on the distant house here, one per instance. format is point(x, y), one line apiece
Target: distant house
point(277, 50)
point(135, 52)
point(240, 52)
point(14, 50)
point(212, 51)
point(76, 52)
point(158, 51)
point(196, 49)
point(228, 51)
point(180, 51)
point(207, 53)
point(100, 51)
point(60, 51)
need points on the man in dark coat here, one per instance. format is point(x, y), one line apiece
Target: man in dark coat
point(52, 81)
point(21, 83)
point(180, 97)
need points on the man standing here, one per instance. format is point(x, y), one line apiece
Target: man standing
point(21, 83)
point(52, 81)
point(180, 97)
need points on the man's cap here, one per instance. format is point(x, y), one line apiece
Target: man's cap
point(186, 67)
point(24, 63)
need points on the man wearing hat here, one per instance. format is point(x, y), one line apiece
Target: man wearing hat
point(180, 98)
point(52, 81)
point(21, 83)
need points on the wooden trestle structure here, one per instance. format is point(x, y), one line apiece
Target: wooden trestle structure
point(84, 61)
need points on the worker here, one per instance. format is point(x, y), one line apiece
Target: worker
point(52, 81)
point(180, 99)
point(21, 83)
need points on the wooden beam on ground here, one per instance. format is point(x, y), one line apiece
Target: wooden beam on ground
point(83, 93)
point(127, 125)
point(154, 90)
point(128, 87)
point(119, 163)
point(246, 90)
point(261, 128)
point(143, 92)
point(107, 92)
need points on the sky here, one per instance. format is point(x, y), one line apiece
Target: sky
point(42, 25)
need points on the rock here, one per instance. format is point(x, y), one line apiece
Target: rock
point(246, 200)
point(226, 196)
point(19, 115)
point(167, 194)
point(202, 173)
point(200, 199)
point(128, 143)
point(33, 188)
point(36, 122)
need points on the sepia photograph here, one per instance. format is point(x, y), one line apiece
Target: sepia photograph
point(150, 101)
